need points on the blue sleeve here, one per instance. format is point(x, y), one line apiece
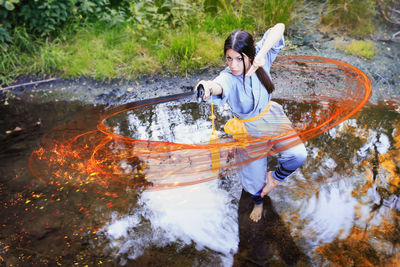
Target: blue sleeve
point(273, 52)
point(224, 80)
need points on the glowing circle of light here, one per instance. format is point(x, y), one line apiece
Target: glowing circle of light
point(98, 158)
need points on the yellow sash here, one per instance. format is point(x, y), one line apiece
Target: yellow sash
point(214, 152)
point(236, 127)
point(233, 126)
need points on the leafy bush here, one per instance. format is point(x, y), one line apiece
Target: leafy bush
point(162, 13)
point(48, 17)
point(6, 6)
point(45, 17)
point(106, 39)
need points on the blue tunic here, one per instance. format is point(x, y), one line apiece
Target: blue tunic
point(253, 99)
point(249, 101)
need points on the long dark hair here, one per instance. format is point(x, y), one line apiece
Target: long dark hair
point(243, 43)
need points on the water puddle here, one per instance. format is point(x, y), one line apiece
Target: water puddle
point(341, 207)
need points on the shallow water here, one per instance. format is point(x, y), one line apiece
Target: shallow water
point(341, 207)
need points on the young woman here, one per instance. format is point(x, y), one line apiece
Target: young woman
point(246, 86)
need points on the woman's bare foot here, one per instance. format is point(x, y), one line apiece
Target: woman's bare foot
point(256, 214)
point(271, 184)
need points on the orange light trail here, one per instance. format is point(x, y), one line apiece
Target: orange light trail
point(97, 158)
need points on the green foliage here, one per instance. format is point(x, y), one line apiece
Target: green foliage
point(9, 4)
point(355, 16)
point(182, 49)
point(107, 39)
point(162, 13)
point(223, 16)
point(4, 36)
point(113, 18)
point(211, 6)
point(50, 58)
point(225, 23)
point(90, 7)
point(44, 17)
point(23, 41)
point(6, 6)
point(269, 12)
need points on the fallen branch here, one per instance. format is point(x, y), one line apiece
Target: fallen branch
point(394, 10)
point(25, 84)
point(393, 15)
point(391, 12)
point(394, 36)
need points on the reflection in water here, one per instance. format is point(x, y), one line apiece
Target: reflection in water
point(199, 216)
point(346, 214)
point(341, 207)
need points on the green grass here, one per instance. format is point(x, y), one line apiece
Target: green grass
point(130, 51)
point(364, 49)
point(115, 53)
point(268, 12)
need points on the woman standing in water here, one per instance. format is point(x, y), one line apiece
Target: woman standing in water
point(247, 87)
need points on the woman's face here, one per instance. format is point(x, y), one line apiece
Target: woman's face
point(235, 62)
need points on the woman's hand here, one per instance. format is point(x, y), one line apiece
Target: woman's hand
point(258, 62)
point(208, 85)
point(273, 37)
